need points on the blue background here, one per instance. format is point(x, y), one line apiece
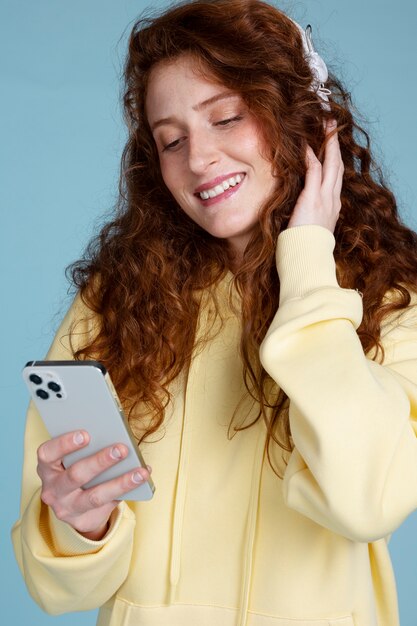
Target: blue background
point(61, 141)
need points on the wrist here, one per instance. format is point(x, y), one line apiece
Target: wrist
point(329, 224)
point(96, 534)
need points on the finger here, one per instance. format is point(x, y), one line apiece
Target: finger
point(339, 183)
point(81, 472)
point(313, 177)
point(109, 491)
point(332, 161)
point(53, 451)
point(332, 147)
point(330, 126)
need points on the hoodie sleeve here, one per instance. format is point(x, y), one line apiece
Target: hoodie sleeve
point(353, 420)
point(63, 570)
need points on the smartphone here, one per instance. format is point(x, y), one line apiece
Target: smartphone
point(79, 395)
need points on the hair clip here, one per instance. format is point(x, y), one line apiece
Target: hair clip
point(317, 66)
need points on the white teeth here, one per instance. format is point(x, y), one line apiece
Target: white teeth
point(221, 188)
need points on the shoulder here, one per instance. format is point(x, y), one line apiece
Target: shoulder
point(76, 330)
point(402, 319)
point(399, 332)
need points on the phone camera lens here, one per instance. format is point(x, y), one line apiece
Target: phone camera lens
point(54, 387)
point(42, 394)
point(34, 378)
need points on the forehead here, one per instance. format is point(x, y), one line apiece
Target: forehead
point(178, 85)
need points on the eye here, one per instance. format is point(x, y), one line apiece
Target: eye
point(172, 145)
point(229, 120)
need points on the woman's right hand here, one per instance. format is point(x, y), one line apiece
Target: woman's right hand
point(86, 510)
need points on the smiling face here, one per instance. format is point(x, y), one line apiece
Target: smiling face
point(210, 151)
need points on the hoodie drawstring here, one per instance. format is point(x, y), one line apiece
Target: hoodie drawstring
point(181, 490)
point(184, 455)
point(251, 527)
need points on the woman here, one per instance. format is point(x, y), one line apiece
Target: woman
point(254, 302)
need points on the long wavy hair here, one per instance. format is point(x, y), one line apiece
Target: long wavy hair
point(142, 275)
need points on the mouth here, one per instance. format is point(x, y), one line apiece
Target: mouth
point(222, 189)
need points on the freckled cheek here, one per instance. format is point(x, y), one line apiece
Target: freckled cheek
point(174, 182)
point(170, 179)
point(249, 144)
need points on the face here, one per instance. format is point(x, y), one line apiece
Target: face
point(210, 150)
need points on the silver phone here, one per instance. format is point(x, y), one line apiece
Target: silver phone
point(79, 395)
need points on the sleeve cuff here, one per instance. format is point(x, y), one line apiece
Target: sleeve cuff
point(305, 261)
point(68, 542)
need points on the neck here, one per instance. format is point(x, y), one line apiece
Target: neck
point(236, 249)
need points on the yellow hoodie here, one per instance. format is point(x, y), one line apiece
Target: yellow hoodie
point(224, 541)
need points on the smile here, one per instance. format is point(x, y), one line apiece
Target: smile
point(219, 189)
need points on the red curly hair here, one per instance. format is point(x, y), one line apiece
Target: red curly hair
point(142, 274)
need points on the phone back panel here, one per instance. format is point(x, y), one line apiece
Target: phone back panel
point(80, 396)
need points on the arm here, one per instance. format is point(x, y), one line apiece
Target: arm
point(353, 421)
point(63, 570)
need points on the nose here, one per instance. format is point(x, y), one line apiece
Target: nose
point(203, 152)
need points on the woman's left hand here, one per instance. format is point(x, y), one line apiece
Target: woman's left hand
point(319, 202)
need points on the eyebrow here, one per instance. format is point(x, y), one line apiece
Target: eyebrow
point(197, 107)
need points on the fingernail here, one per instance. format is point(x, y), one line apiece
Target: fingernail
point(115, 453)
point(149, 468)
point(137, 478)
point(78, 438)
